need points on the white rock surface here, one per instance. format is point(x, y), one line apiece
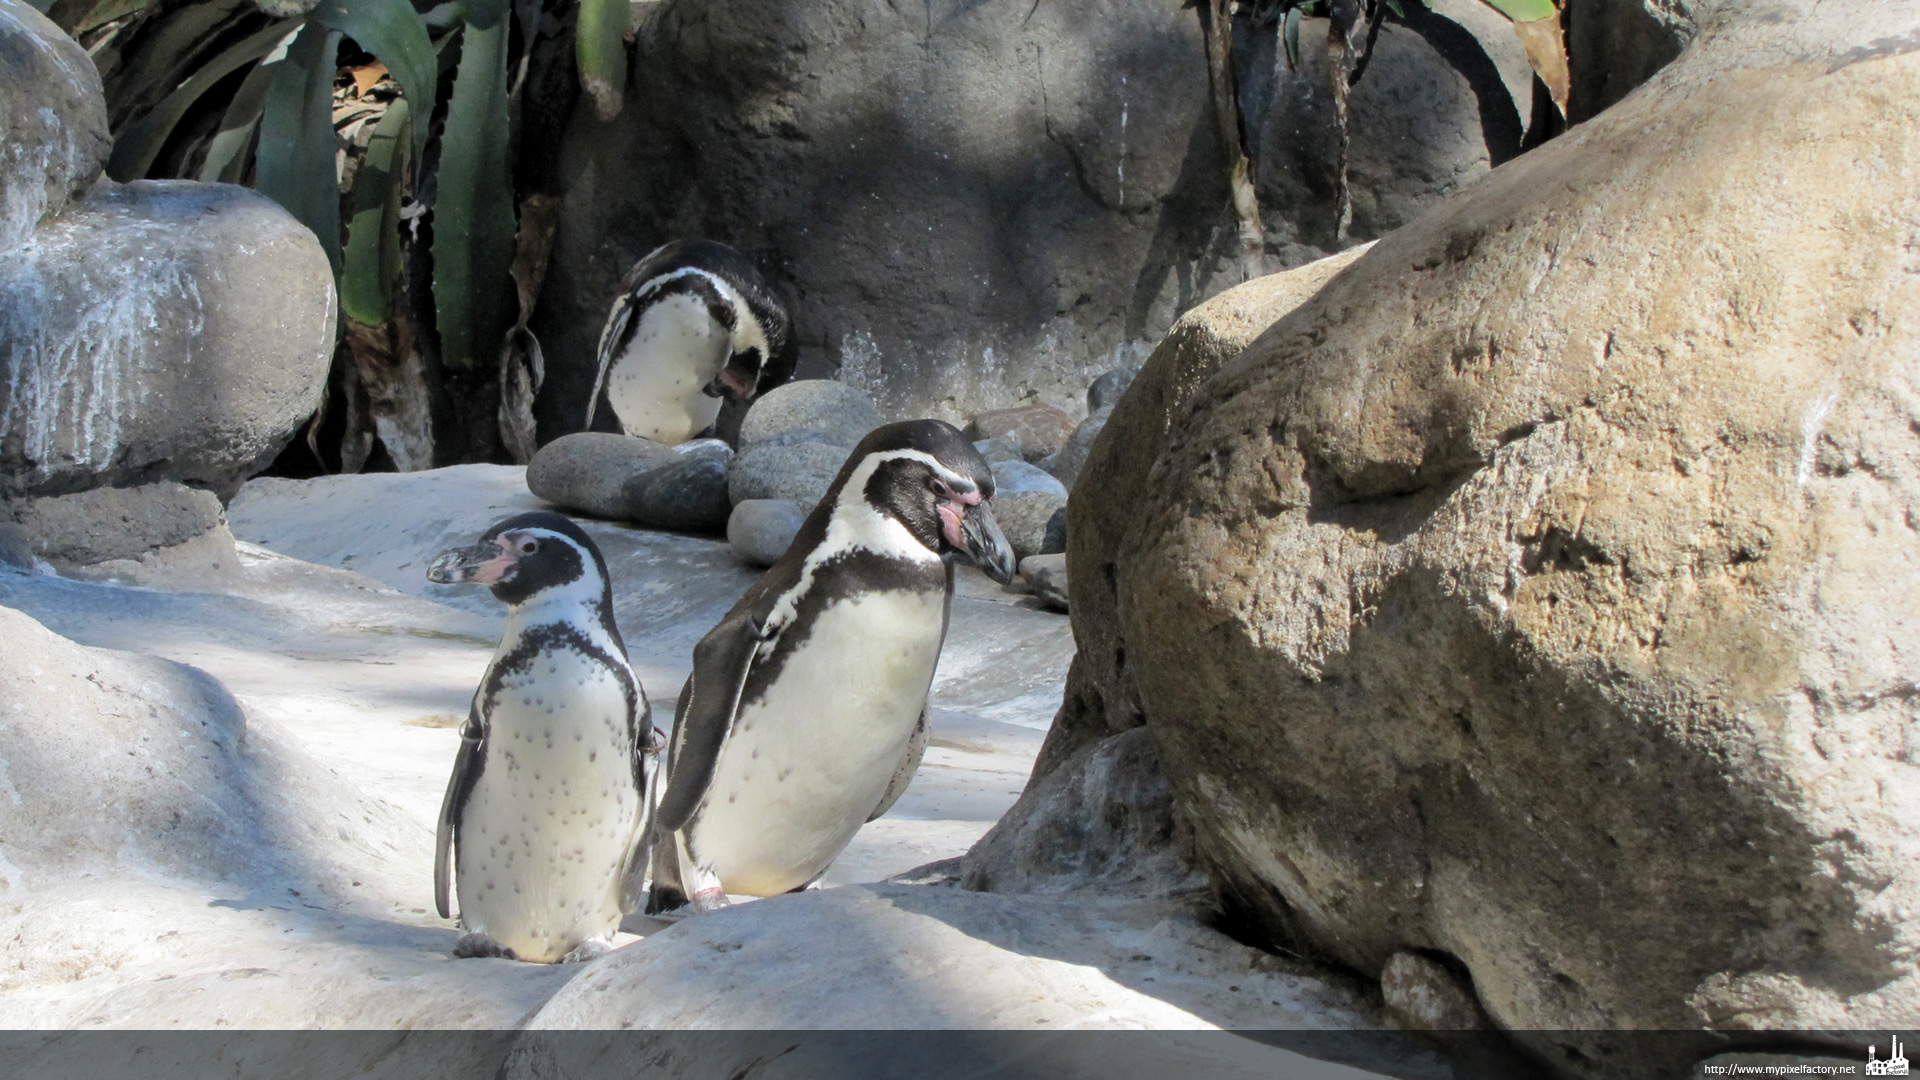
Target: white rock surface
point(264, 856)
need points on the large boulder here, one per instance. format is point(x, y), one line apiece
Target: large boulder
point(53, 121)
point(159, 331)
point(1101, 698)
point(1543, 592)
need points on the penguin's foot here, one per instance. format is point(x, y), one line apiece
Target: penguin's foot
point(709, 900)
point(590, 949)
point(480, 946)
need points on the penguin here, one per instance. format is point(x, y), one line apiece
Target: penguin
point(544, 810)
point(693, 323)
point(806, 713)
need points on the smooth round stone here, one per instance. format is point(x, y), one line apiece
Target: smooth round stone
point(1046, 575)
point(1002, 448)
point(1107, 388)
point(1023, 516)
point(690, 495)
point(840, 414)
point(761, 530)
point(800, 471)
point(591, 471)
point(1041, 429)
point(1013, 477)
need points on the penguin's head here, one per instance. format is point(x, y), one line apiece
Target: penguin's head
point(925, 475)
point(537, 554)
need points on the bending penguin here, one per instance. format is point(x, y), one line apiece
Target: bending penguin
point(693, 323)
point(806, 713)
point(544, 811)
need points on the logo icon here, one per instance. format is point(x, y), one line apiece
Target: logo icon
point(1893, 1065)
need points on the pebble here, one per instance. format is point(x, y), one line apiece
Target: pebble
point(1041, 429)
point(761, 530)
point(1046, 575)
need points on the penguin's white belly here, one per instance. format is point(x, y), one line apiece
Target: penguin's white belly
point(807, 764)
point(547, 828)
point(656, 385)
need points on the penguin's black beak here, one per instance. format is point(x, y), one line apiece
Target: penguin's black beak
point(737, 380)
point(482, 564)
point(985, 544)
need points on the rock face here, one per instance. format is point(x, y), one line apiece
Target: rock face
point(964, 206)
point(1541, 592)
point(160, 330)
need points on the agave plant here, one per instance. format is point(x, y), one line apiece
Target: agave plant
point(389, 130)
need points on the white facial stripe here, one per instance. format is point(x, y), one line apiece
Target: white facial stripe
point(747, 332)
point(855, 524)
point(571, 603)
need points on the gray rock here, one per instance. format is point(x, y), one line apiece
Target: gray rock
point(800, 471)
point(53, 121)
point(1107, 389)
point(159, 331)
point(837, 413)
point(761, 530)
point(1011, 477)
point(1004, 448)
point(1023, 516)
point(1507, 609)
point(1104, 819)
point(163, 534)
point(1046, 575)
point(591, 472)
point(1055, 539)
point(689, 494)
point(1067, 463)
point(1040, 429)
point(115, 523)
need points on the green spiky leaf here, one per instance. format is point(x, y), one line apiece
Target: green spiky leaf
point(473, 214)
point(371, 264)
point(142, 140)
point(1290, 37)
point(295, 162)
point(390, 30)
point(228, 153)
point(600, 50)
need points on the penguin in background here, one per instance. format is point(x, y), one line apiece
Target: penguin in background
point(806, 713)
point(540, 832)
point(694, 323)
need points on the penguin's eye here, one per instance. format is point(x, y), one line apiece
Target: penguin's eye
point(529, 546)
point(939, 487)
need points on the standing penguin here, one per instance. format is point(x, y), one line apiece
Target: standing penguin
point(806, 713)
point(544, 810)
point(693, 322)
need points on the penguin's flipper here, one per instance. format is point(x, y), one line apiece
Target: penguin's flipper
point(633, 876)
point(721, 663)
point(613, 338)
point(909, 764)
point(459, 786)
